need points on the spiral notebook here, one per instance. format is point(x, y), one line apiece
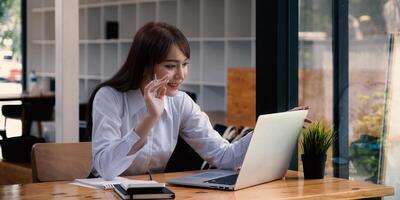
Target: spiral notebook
point(101, 183)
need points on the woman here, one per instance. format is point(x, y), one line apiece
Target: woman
point(139, 113)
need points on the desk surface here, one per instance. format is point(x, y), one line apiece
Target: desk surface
point(24, 96)
point(292, 187)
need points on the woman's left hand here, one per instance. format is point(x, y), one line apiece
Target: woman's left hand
point(307, 120)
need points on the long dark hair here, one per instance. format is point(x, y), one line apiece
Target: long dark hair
point(150, 47)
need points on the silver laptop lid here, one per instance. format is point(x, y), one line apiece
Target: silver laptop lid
point(271, 147)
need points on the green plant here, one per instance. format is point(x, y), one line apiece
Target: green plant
point(316, 139)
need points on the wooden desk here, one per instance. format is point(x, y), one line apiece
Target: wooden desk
point(292, 187)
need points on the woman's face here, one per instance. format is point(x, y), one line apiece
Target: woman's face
point(175, 65)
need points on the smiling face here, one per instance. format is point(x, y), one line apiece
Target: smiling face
point(175, 65)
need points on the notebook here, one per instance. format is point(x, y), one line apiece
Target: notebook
point(144, 192)
point(127, 183)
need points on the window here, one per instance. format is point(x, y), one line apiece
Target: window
point(10, 57)
point(315, 62)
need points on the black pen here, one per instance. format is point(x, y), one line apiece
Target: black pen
point(148, 171)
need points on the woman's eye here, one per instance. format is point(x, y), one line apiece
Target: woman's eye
point(170, 66)
point(185, 64)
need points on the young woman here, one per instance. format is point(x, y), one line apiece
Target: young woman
point(138, 114)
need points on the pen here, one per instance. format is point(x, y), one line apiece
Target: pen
point(148, 171)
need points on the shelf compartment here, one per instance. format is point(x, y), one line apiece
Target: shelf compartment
point(127, 26)
point(239, 54)
point(93, 22)
point(82, 91)
point(93, 59)
point(213, 18)
point(48, 3)
point(84, 2)
point(147, 13)
point(82, 56)
point(36, 58)
point(214, 62)
point(35, 3)
point(49, 26)
point(124, 51)
point(194, 69)
point(36, 23)
point(110, 14)
point(91, 85)
point(49, 58)
point(238, 18)
point(214, 98)
point(110, 59)
point(190, 26)
point(82, 24)
point(168, 12)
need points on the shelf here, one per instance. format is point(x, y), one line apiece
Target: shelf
point(213, 62)
point(48, 3)
point(49, 26)
point(128, 16)
point(124, 51)
point(168, 12)
point(82, 91)
point(194, 68)
point(190, 26)
point(90, 77)
point(82, 24)
point(110, 59)
point(147, 13)
point(220, 35)
point(45, 74)
point(110, 14)
point(214, 98)
point(214, 16)
point(239, 54)
point(36, 64)
point(82, 57)
point(93, 22)
point(93, 57)
point(49, 59)
point(91, 85)
point(239, 18)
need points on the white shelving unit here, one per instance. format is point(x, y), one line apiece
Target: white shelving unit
point(221, 34)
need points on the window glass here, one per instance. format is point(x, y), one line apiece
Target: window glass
point(315, 62)
point(371, 90)
point(10, 58)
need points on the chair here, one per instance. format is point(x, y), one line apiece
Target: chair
point(39, 110)
point(61, 161)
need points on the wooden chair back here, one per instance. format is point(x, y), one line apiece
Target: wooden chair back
point(61, 161)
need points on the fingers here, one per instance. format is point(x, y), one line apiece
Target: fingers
point(155, 84)
point(300, 108)
point(162, 92)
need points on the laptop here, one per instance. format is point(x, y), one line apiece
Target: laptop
point(267, 158)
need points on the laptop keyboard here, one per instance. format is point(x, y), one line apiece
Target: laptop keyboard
point(227, 180)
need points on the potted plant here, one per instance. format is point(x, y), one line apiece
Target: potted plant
point(315, 142)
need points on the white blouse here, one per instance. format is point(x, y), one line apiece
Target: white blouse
point(116, 114)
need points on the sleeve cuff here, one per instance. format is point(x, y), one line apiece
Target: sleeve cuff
point(132, 137)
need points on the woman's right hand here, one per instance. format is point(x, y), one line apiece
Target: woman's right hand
point(154, 93)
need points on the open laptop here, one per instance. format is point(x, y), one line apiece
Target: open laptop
point(267, 158)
